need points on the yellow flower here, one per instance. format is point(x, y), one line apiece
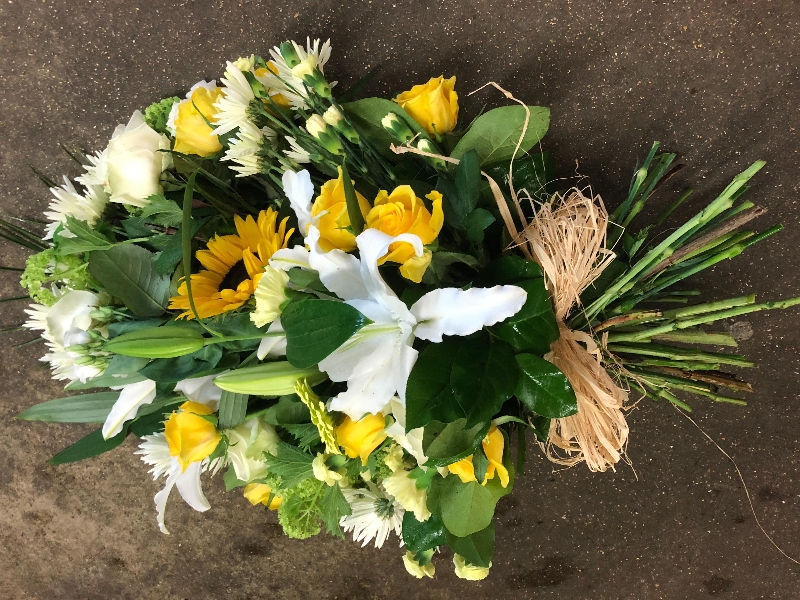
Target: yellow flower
point(417, 570)
point(493, 449)
point(259, 493)
point(360, 438)
point(402, 212)
point(469, 572)
point(193, 135)
point(191, 437)
point(323, 473)
point(332, 225)
point(233, 265)
point(279, 99)
point(434, 105)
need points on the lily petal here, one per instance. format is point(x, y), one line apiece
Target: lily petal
point(289, 258)
point(451, 311)
point(300, 191)
point(272, 346)
point(190, 488)
point(131, 397)
point(200, 389)
point(339, 272)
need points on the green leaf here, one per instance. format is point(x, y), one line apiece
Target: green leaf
point(429, 395)
point(544, 389)
point(89, 408)
point(477, 221)
point(446, 443)
point(231, 481)
point(483, 377)
point(104, 381)
point(306, 434)
point(465, 507)
point(198, 364)
point(442, 261)
point(509, 270)
point(87, 447)
point(232, 409)
point(128, 273)
point(541, 427)
point(533, 173)
point(477, 548)
point(288, 411)
point(534, 327)
point(366, 116)
point(291, 464)
point(125, 365)
point(461, 196)
point(165, 212)
point(422, 478)
point(353, 207)
point(334, 506)
point(86, 238)
point(495, 134)
point(419, 536)
point(315, 328)
point(480, 463)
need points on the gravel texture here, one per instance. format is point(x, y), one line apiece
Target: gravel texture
point(716, 82)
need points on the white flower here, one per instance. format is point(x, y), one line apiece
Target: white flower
point(297, 153)
point(96, 171)
point(323, 473)
point(245, 149)
point(378, 359)
point(410, 441)
point(316, 125)
point(333, 116)
point(404, 489)
point(154, 451)
point(247, 444)
point(131, 397)
point(395, 458)
point(37, 320)
point(201, 389)
point(245, 63)
point(173, 112)
point(269, 294)
point(374, 516)
point(300, 191)
point(236, 98)
point(135, 162)
point(469, 572)
point(273, 346)
point(417, 570)
point(68, 202)
point(289, 81)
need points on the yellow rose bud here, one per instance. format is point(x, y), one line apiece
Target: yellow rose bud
point(332, 225)
point(402, 212)
point(493, 445)
point(434, 105)
point(469, 572)
point(259, 493)
point(193, 135)
point(191, 437)
point(360, 438)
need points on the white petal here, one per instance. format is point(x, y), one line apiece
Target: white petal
point(273, 346)
point(289, 258)
point(161, 497)
point(339, 272)
point(127, 405)
point(190, 488)
point(200, 389)
point(300, 191)
point(451, 311)
point(71, 311)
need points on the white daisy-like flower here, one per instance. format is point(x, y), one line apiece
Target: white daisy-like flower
point(245, 147)
point(288, 82)
point(37, 320)
point(154, 451)
point(297, 153)
point(236, 98)
point(96, 171)
point(69, 203)
point(375, 515)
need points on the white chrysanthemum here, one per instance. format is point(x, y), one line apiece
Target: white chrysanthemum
point(37, 320)
point(298, 154)
point(374, 516)
point(96, 171)
point(154, 451)
point(69, 203)
point(245, 148)
point(236, 98)
point(269, 294)
point(404, 489)
point(288, 82)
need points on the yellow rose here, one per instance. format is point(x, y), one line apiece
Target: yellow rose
point(402, 212)
point(193, 135)
point(332, 225)
point(360, 438)
point(191, 437)
point(464, 570)
point(493, 449)
point(259, 493)
point(434, 105)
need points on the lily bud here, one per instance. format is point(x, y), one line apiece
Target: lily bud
point(268, 379)
point(157, 342)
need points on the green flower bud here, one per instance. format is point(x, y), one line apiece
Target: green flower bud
point(289, 54)
point(334, 117)
point(268, 379)
point(157, 342)
point(318, 128)
point(397, 128)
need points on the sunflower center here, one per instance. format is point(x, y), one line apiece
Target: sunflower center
point(235, 276)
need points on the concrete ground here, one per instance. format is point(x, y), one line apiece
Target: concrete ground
point(715, 81)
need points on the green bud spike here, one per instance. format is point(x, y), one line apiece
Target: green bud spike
point(157, 342)
point(268, 379)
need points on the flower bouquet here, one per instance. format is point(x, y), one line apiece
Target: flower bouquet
point(351, 307)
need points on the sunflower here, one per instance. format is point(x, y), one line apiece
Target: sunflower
point(233, 266)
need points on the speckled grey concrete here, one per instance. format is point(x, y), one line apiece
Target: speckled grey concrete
point(716, 83)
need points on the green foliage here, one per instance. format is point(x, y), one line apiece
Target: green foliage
point(333, 507)
point(288, 411)
point(446, 443)
point(198, 364)
point(494, 135)
point(291, 464)
point(353, 207)
point(476, 548)
point(157, 342)
point(463, 507)
point(162, 211)
point(301, 512)
point(157, 114)
point(232, 409)
point(366, 116)
point(420, 536)
point(128, 273)
point(378, 458)
point(47, 267)
point(305, 434)
point(88, 408)
point(534, 327)
point(544, 389)
point(87, 447)
point(85, 238)
point(315, 328)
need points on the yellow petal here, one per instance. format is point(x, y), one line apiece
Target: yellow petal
point(360, 438)
point(191, 437)
point(259, 493)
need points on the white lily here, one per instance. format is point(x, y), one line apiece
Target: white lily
point(377, 361)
